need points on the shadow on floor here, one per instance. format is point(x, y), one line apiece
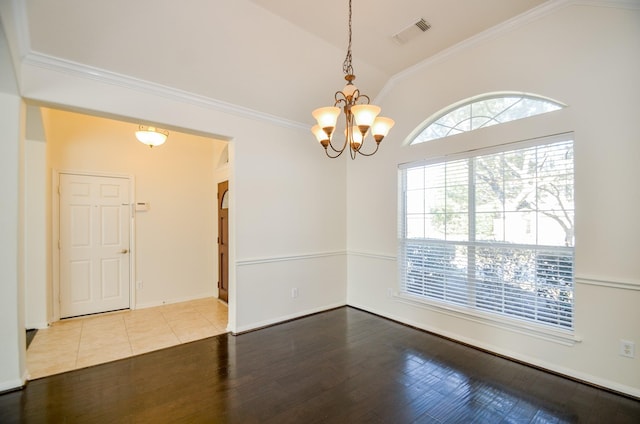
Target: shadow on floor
point(30, 335)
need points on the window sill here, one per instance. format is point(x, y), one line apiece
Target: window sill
point(564, 337)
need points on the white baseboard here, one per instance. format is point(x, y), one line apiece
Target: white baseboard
point(15, 384)
point(571, 373)
point(283, 318)
point(37, 326)
point(170, 301)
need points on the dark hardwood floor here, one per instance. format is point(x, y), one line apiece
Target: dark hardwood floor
point(340, 366)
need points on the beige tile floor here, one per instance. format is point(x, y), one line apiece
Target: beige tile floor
point(81, 342)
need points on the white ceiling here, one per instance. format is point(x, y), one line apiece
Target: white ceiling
point(280, 57)
point(376, 21)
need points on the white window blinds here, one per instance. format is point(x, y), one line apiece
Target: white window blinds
point(492, 232)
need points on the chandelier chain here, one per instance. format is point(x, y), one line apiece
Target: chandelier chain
point(347, 68)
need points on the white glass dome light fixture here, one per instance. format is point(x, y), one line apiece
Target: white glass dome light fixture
point(151, 136)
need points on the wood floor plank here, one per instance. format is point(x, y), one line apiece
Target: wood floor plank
point(340, 366)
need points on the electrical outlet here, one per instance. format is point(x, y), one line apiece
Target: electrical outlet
point(139, 285)
point(389, 292)
point(294, 292)
point(627, 348)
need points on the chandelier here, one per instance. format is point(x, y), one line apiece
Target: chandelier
point(360, 117)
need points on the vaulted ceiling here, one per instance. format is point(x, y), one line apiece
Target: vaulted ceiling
point(279, 57)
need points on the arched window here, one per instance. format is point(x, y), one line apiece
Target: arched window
point(488, 233)
point(483, 111)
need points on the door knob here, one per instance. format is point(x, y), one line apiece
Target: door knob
point(124, 251)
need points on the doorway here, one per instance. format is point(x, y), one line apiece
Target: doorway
point(94, 244)
point(223, 241)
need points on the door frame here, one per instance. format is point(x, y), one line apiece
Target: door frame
point(55, 235)
point(219, 201)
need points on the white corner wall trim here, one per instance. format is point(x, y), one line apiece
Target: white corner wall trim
point(21, 23)
point(266, 260)
point(633, 391)
point(284, 318)
point(603, 282)
point(566, 338)
point(372, 255)
point(75, 69)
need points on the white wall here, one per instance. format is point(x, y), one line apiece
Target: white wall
point(287, 199)
point(37, 185)
point(175, 240)
point(36, 248)
point(587, 57)
point(12, 348)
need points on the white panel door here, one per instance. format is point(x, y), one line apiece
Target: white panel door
point(94, 244)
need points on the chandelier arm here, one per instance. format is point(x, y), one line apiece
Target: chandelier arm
point(326, 151)
point(340, 100)
point(356, 100)
point(353, 150)
point(339, 151)
point(368, 154)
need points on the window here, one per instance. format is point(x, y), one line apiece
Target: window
point(492, 232)
point(484, 111)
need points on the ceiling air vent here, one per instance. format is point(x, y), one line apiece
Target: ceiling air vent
point(411, 32)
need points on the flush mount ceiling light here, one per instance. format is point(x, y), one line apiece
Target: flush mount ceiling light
point(360, 116)
point(151, 136)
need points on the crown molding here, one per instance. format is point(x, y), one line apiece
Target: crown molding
point(40, 60)
point(33, 58)
point(27, 56)
point(108, 77)
point(498, 30)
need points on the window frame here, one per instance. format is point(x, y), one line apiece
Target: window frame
point(433, 119)
point(563, 335)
